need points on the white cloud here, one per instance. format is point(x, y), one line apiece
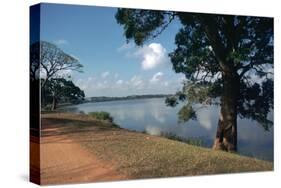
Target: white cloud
point(152, 55)
point(160, 116)
point(100, 85)
point(166, 83)
point(119, 82)
point(153, 130)
point(105, 74)
point(157, 77)
point(137, 82)
point(61, 42)
point(204, 117)
point(108, 85)
point(91, 78)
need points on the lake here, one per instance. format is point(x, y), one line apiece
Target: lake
point(154, 117)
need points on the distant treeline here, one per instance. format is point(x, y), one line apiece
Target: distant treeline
point(131, 97)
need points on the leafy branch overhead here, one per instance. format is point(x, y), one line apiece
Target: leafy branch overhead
point(209, 50)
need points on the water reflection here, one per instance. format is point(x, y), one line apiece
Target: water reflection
point(154, 117)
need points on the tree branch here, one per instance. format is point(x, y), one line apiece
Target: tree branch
point(171, 18)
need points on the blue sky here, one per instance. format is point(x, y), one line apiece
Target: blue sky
point(111, 67)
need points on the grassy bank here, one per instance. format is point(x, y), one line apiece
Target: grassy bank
point(139, 155)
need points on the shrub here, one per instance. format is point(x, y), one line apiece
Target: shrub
point(101, 116)
point(191, 141)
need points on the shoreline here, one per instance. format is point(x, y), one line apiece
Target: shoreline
point(110, 100)
point(137, 155)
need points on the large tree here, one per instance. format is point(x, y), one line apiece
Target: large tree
point(227, 60)
point(62, 90)
point(53, 62)
point(48, 62)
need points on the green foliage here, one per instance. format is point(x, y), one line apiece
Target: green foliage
point(171, 101)
point(101, 116)
point(49, 64)
point(208, 47)
point(62, 90)
point(186, 113)
point(193, 55)
point(198, 93)
point(257, 98)
point(190, 141)
point(140, 25)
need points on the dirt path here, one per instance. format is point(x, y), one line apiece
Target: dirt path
point(77, 148)
point(65, 161)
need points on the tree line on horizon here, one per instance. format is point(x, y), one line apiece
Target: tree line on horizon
point(129, 97)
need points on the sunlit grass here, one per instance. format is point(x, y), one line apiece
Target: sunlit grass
point(140, 155)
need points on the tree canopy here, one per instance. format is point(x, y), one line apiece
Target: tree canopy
point(210, 48)
point(50, 65)
point(62, 90)
point(51, 61)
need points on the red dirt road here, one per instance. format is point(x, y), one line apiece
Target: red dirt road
point(65, 161)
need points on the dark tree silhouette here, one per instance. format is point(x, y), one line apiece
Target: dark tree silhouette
point(48, 62)
point(62, 90)
point(34, 61)
point(227, 60)
point(53, 61)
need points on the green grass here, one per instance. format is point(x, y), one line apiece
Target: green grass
point(144, 156)
point(171, 136)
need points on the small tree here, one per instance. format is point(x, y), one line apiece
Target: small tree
point(224, 57)
point(62, 90)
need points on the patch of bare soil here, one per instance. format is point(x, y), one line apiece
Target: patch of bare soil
point(65, 161)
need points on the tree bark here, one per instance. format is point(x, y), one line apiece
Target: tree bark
point(54, 103)
point(226, 136)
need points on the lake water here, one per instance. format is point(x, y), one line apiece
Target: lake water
point(154, 117)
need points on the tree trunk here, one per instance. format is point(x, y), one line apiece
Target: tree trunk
point(43, 92)
point(54, 103)
point(43, 97)
point(226, 136)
